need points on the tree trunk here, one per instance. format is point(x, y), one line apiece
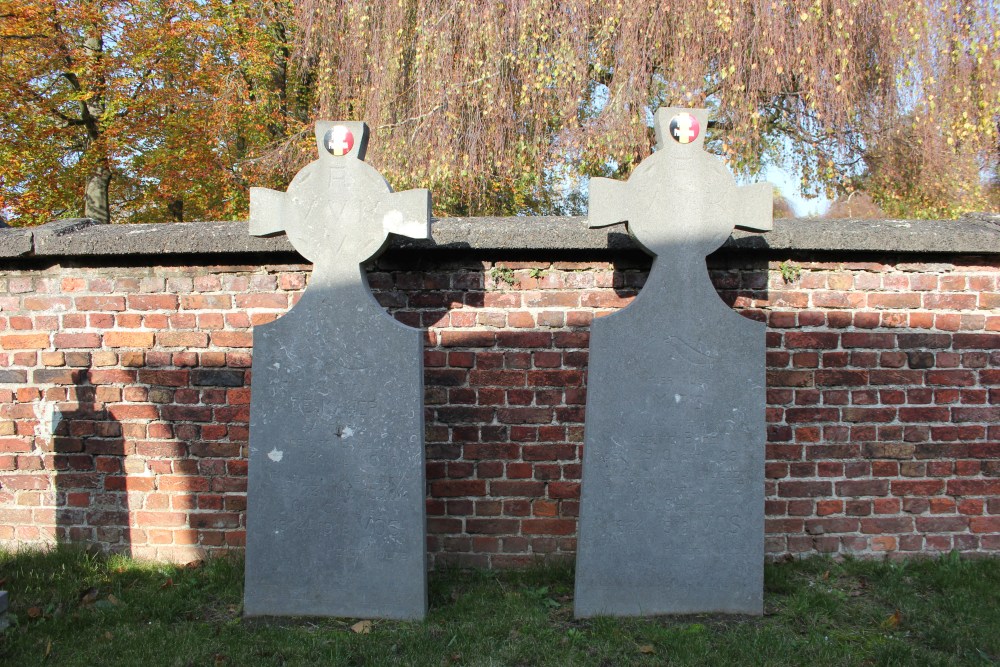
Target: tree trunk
point(175, 208)
point(95, 201)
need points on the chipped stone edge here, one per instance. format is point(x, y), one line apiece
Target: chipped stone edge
point(974, 234)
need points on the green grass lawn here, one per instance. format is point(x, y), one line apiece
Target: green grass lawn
point(71, 608)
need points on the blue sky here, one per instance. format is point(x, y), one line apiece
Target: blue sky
point(788, 185)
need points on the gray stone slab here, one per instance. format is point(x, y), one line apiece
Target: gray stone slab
point(15, 241)
point(974, 234)
point(335, 515)
point(672, 505)
point(156, 240)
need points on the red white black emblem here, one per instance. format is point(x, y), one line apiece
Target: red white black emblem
point(339, 140)
point(684, 128)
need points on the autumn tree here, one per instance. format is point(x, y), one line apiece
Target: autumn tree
point(143, 110)
point(497, 106)
point(176, 107)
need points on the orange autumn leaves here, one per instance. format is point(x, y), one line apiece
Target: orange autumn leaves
point(169, 96)
point(498, 107)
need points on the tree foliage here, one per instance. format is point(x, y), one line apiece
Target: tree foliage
point(163, 101)
point(496, 105)
point(179, 106)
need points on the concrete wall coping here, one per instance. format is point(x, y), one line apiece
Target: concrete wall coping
point(973, 234)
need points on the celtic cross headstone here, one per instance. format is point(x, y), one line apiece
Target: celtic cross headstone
point(672, 507)
point(335, 502)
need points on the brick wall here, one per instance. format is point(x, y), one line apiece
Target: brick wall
point(124, 396)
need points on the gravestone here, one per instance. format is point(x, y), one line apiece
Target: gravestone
point(672, 504)
point(335, 500)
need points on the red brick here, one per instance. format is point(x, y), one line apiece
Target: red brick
point(492, 526)
point(33, 341)
point(938, 301)
point(548, 526)
point(553, 378)
point(942, 524)
point(903, 377)
point(458, 488)
point(524, 415)
point(197, 339)
point(799, 415)
point(792, 489)
point(277, 301)
point(496, 378)
point(164, 378)
point(564, 490)
point(468, 338)
point(824, 299)
point(143, 518)
point(868, 415)
point(903, 524)
point(896, 300)
point(967, 341)
point(985, 524)
point(871, 487)
point(530, 489)
point(974, 487)
point(232, 339)
point(152, 302)
point(924, 487)
point(524, 339)
point(987, 415)
point(811, 340)
point(76, 340)
point(790, 378)
point(924, 414)
point(841, 378)
point(143, 339)
point(111, 303)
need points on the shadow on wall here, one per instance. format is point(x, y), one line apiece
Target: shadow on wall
point(88, 457)
point(150, 452)
point(138, 464)
point(506, 361)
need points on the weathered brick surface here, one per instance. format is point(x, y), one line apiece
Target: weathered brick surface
point(124, 402)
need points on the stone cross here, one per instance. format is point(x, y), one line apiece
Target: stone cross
point(672, 505)
point(335, 500)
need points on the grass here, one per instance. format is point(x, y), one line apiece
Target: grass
point(73, 608)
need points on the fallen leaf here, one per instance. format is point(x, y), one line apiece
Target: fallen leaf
point(89, 596)
point(113, 600)
point(48, 649)
point(647, 648)
point(826, 575)
point(34, 612)
point(220, 659)
point(167, 584)
point(456, 657)
point(108, 636)
point(362, 627)
point(893, 620)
